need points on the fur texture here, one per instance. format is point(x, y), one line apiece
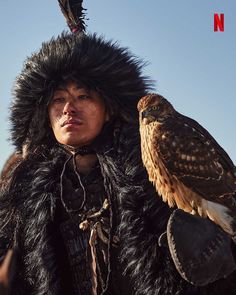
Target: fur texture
point(28, 204)
point(141, 219)
point(98, 64)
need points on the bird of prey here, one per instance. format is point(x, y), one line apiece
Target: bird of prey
point(188, 168)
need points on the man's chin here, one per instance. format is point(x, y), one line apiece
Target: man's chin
point(72, 145)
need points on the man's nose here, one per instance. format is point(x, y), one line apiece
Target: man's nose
point(69, 108)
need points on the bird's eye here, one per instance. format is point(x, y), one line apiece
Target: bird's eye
point(154, 108)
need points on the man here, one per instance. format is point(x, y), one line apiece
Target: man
point(80, 208)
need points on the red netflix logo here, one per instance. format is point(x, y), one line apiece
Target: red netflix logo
point(219, 23)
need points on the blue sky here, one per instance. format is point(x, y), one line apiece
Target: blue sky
point(192, 66)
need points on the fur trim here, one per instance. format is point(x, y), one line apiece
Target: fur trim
point(100, 65)
point(140, 215)
point(30, 229)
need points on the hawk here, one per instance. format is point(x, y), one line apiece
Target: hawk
point(188, 168)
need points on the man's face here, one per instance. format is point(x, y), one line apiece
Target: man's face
point(77, 115)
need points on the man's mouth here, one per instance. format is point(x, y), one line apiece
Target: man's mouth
point(71, 122)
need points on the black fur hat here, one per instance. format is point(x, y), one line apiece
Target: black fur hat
point(100, 65)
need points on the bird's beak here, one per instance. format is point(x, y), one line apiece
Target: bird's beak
point(146, 117)
point(144, 114)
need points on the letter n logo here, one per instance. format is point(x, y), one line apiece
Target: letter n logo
point(219, 24)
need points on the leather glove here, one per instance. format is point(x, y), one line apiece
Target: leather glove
point(201, 250)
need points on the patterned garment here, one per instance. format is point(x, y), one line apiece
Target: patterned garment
point(76, 243)
point(86, 252)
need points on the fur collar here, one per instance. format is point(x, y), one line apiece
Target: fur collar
point(142, 217)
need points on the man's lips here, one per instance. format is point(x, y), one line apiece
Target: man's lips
point(71, 122)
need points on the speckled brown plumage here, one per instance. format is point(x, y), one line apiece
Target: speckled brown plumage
point(185, 163)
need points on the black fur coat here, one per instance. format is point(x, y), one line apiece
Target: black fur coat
point(27, 211)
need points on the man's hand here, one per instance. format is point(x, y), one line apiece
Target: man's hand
point(7, 270)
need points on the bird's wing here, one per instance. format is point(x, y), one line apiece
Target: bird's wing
point(191, 155)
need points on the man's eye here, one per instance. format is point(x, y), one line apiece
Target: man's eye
point(58, 99)
point(83, 96)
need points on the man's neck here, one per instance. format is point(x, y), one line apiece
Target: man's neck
point(85, 163)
